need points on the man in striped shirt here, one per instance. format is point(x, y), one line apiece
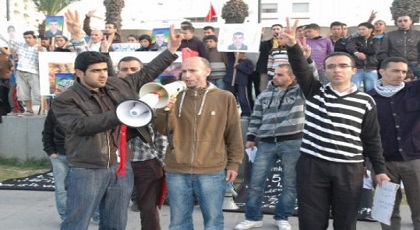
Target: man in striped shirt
point(341, 128)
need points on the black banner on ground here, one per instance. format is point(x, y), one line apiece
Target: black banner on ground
point(273, 190)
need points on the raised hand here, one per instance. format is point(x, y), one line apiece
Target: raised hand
point(106, 43)
point(307, 50)
point(73, 24)
point(289, 33)
point(91, 13)
point(174, 40)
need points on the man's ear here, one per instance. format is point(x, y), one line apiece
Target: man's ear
point(381, 71)
point(79, 73)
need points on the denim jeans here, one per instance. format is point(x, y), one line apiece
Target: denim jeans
point(368, 77)
point(209, 190)
point(218, 82)
point(88, 188)
point(268, 153)
point(60, 167)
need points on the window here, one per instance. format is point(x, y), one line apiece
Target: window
point(269, 8)
point(300, 7)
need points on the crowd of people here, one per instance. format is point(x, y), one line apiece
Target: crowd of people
point(323, 105)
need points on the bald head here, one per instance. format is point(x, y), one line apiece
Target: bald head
point(195, 71)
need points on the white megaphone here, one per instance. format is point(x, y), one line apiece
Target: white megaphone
point(138, 113)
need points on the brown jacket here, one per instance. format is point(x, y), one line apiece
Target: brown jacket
point(206, 132)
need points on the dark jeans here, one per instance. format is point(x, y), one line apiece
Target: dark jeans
point(322, 184)
point(148, 182)
point(253, 84)
point(241, 93)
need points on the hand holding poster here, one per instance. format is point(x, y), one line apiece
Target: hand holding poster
point(384, 201)
point(239, 38)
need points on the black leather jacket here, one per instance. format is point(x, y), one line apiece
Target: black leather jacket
point(401, 43)
point(88, 128)
point(369, 47)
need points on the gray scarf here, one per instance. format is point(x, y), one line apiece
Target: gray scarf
point(389, 90)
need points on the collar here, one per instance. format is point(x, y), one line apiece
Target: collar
point(352, 89)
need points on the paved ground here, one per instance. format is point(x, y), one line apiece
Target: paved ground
point(28, 210)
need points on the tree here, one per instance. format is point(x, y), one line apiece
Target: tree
point(405, 7)
point(113, 12)
point(49, 7)
point(235, 11)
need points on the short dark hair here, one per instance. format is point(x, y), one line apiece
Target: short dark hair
point(188, 27)
point(30, 32)
point(353, 62)
point(112, 23)
point(336, 23)
point(186, 23)
point(385, 63)
point(11, 27)
point(368, 25)
point(87, 58)
point(210, 37)
point(168, 79)
point(276, 25)
point(129, 58)
point(313, 26)
point(145, 37)
point(133, 36)
point(238, 33)
point(209, 28)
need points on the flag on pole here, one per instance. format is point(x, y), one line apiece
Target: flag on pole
point(211, 14)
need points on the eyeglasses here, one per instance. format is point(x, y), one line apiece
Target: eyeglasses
point(340, 66)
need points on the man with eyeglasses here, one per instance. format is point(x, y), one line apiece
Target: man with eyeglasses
point(403, 42)
point(341, 128)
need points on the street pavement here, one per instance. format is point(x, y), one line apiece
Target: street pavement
point(29, 210)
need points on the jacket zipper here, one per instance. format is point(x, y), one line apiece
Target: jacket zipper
point(109, 147)
point(405, 44)
point(194, 133)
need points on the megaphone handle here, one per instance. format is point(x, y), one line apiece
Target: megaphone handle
point(168, 135)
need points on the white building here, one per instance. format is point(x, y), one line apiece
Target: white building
point(154, 13)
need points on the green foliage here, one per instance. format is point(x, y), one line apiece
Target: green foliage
point(235, 11)
point(29, 163)
point(405, 7)
point(50, 7)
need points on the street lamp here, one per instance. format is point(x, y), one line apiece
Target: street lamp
point(8, 10)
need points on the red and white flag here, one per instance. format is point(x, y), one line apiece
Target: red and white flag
point(211, 14)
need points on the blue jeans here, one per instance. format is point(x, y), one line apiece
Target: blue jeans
point(209, 190)
point(368, 77)
point(218, 82)
point(268, 153)
point(60, 167)
point(88, 188)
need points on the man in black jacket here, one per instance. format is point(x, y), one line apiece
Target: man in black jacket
point(86, 111)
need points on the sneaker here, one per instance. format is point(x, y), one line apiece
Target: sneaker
point(95, 220)
point(28, 113)
point(134, 207)
point(248, 224)
point(283, 225)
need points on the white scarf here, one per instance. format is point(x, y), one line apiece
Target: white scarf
point(388, 90)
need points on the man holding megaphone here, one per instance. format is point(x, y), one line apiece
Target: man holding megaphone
point(87, 113)
point(207, 147)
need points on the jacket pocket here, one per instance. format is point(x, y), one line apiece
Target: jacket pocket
point(412, 104)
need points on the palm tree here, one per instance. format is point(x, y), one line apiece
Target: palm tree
point(49, 7)
point(113, 9)
point(405, 7)
point(235, 11)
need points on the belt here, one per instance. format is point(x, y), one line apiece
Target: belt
point(282, 138)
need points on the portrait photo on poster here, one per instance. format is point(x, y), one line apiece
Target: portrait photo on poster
point(239, 38)
point(53, 26)
point(160, 37)
point(54, 67)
